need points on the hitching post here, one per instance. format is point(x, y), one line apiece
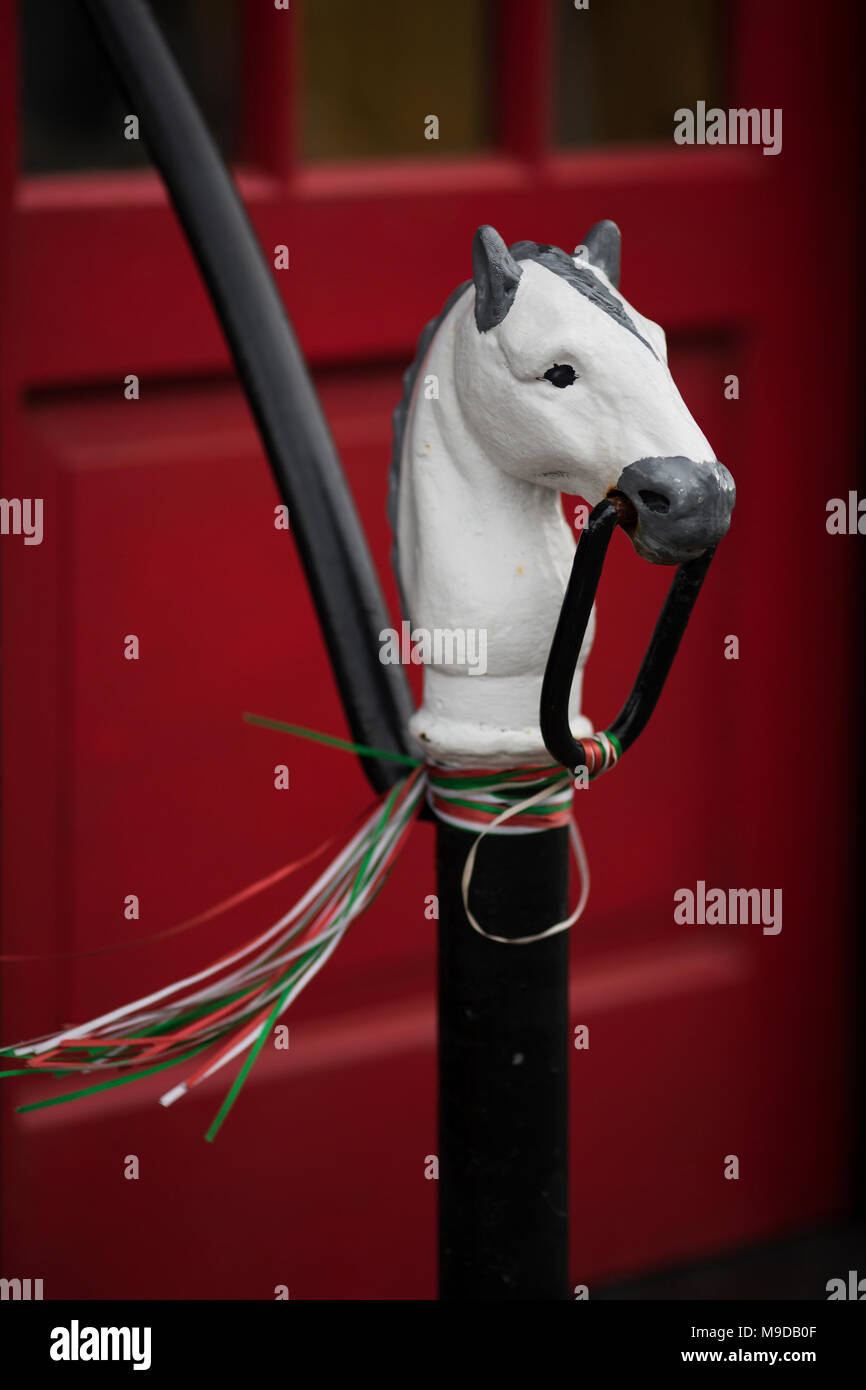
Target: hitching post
point(503, 1011)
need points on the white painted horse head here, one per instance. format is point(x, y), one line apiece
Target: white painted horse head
point(537, 378)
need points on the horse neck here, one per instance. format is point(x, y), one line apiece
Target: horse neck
point(457, 501)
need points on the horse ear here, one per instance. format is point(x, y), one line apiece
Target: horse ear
point(603, 245)
point(496, 274)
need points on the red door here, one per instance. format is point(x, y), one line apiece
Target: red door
point(140, 778)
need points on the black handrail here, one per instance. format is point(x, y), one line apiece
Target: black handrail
point(337, 563)
point(571, 630)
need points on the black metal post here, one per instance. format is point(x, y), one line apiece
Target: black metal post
point(503, 1070)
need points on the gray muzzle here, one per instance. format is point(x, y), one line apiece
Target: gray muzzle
point(680, 507)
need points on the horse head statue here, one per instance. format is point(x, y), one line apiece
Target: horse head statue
point(537, 378)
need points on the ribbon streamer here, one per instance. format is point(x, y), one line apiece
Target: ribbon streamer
point(229, 1008)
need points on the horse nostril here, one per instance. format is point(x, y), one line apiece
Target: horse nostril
point(655, 501)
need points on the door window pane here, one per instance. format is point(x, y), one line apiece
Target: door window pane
point(625, 66)
point(71, 107)
point(373, 73)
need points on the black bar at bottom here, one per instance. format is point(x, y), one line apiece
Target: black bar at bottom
point(503, 1070)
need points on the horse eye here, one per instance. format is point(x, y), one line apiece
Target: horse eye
point(561, 375)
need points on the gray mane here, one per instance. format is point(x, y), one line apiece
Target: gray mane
point(552, 258)
point(399, 420)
